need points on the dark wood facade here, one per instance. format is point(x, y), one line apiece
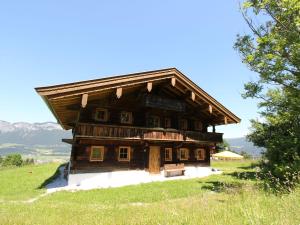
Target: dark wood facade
point(138, 121)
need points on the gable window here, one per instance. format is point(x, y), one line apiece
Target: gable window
point(154, 121)
point(124, 154)
point(183, 124)
point(200, 154)
point(101, 115)
point(198, 125)
point(97, 153)
point(126, 117)
point(184, 154)
point(168, 123)
point(168, 154)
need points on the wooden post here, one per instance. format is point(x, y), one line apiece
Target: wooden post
point(149, 86)
point(225, 119)
point(84, 100)
point(193, 96)
point(210, 109)
point(173, 81)
point(214, 129)
point(119, 92)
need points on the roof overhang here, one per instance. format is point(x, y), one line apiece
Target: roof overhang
point(58, 97)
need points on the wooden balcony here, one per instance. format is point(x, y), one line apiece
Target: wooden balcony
point(84, 130)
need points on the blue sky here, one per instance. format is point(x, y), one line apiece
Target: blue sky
point(53, 42)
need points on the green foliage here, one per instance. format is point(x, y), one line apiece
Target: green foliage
point(12, 160)
point(222, 146)
point(224, 199)
point(246, 155)
point(15, 160)
point(28, 161)
point(273, 51)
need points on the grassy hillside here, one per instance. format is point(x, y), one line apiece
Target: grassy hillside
point(218, 199)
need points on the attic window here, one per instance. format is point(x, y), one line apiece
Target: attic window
point(198, 125)
point(126, 117)
point(101, 115)
point(154, 121)
point(168, 123)
point(183, 124)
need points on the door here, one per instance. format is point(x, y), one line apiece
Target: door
point(154, 159)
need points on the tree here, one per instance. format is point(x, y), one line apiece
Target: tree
point(246, 155)
point(223, 146)
point(272, 50)
point(12, 160)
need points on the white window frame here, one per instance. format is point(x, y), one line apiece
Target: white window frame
point(187, 153)
point(170, 154)
point(105, 115)
point(128, 154)
point(130, 117)
point(102, 149)
point(203, 154)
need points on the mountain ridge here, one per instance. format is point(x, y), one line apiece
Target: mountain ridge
point(44, 139)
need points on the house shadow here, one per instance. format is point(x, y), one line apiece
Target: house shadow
point(231, 186)
point(218, 186)
point(57, 180)
point(245, 175)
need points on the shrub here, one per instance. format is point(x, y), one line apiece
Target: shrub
point(28, 161)
point(280, 179)
point(12, 160)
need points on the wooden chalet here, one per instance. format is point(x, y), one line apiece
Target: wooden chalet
point(142, 121)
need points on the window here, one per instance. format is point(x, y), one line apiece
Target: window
point(198, 125)
point(168, 123)
point(168, 154)
point(124, 154)
point(101, 115)
point(184, 154)
point(126, 117)
point(200, 154)
point(154, 121)
point(97, 153)
point(183, 124)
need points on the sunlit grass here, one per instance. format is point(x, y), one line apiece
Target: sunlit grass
point(218, 199)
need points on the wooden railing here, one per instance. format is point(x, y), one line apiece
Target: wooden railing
point(141, 133)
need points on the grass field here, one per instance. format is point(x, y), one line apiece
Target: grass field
point(230, 198)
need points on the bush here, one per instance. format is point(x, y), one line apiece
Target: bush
point(280, 179)
point(28, 161)
point(12, 160)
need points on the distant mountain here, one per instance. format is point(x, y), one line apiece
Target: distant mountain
point(241, 144)
point(43, 141)
point(47, 133)
point(38, 140)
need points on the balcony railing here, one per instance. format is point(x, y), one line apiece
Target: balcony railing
point(85, 130)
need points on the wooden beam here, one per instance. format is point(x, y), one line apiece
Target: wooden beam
point(193, 96)
point(149, 86)
point(210, 109)
point(119, 92)
point(84, 100)
point(173, 81)
point(225, 120)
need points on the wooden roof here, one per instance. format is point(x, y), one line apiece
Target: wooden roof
point(60, 97)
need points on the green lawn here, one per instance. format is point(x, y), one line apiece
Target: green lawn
point(219, 199)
